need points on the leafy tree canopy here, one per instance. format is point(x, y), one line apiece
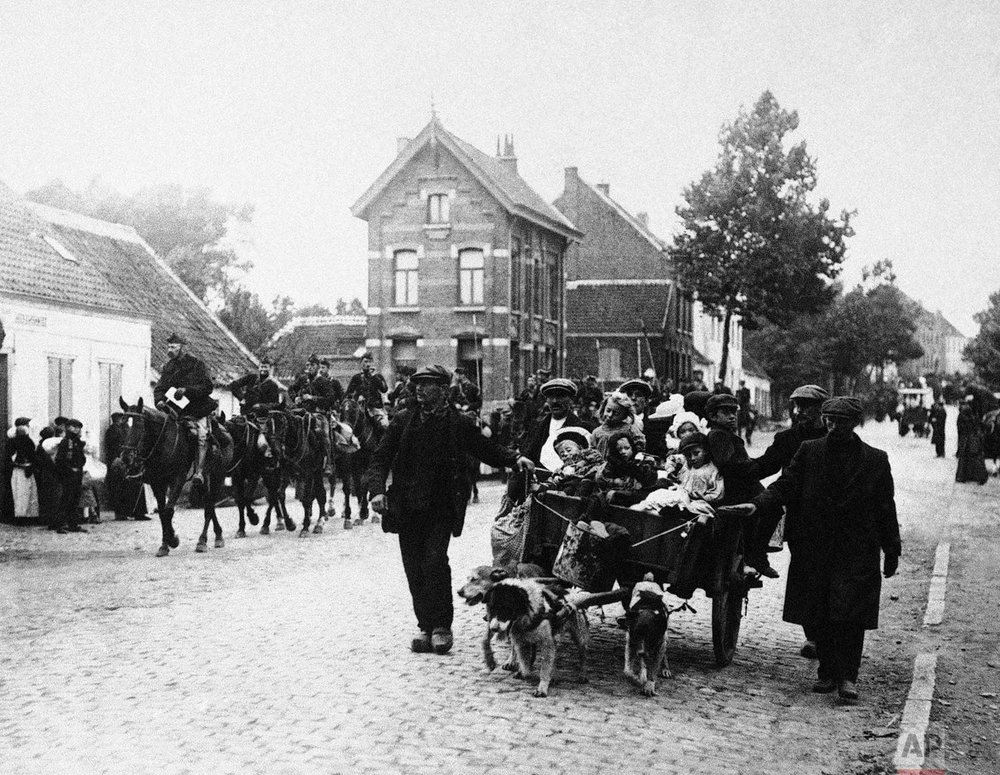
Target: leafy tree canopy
point(983, 351)
point(753, 242)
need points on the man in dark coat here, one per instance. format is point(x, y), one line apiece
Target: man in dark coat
point(538, 448)
point(846, 516)
point(938, 418)
point(114, 440)
point(69, 462)
point(185, 380)
point(300, 385)
point(257, 387)
point(368, 387)
point(464, 395)
point(424, 450)
point(807, 424)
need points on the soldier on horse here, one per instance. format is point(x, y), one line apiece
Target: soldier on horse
point(257, 388)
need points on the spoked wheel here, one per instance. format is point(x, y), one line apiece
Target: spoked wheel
point(727, 614)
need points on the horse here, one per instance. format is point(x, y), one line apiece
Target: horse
point(304, 454)
point(275, 473)
point(351, 467)
point(245, 470)
point(160, 451)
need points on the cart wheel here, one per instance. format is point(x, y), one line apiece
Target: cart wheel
point(727, 613)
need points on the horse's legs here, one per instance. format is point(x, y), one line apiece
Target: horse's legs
point(169, 538)
point(239, 495)
point(249, 488)
point(213, 494)
point(343, 469)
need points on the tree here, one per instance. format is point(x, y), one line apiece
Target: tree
point(185, 226)
point(753, 244)
point(983, 350)
point(244, 314)
point(355, 307)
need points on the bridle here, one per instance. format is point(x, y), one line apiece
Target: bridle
point(141, 416)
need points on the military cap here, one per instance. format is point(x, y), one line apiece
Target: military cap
point(22, 421)
point(844, 406)
point(557, 386)
point(693, 440)
point(637, 385)
point(176, 338)
point(437, 374)
point(720, 400)
point(573, 433)
point(809, 393)
point(74, 423)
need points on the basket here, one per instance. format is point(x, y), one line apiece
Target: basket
point(577, 562)
point(508, 534)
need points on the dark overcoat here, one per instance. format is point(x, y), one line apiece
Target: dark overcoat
point(398, 454)
point(846, 515)
point(186, 371)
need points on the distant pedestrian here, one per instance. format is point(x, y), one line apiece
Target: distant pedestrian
point(69, 462)
point(938, 419)
point(21, 449)
point(846, 516)
point(971, 444)
point(424, 450)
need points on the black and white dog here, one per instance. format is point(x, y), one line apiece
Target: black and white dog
point(529, 614)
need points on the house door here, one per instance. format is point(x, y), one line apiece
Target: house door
point(110, 391)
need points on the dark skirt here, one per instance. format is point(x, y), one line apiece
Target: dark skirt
point(971, 468)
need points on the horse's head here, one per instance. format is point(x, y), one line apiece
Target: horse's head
point(135, 450)
point(350, 412)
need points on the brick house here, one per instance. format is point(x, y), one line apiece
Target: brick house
point(625, 311)
point(465, 264)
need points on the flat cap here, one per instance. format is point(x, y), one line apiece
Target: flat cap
point(176, 338)
point(60, 420)
point(693, 440)
point(637, 386)
point(73, 423)
point(844, 406)
point(573, 433)
point(810, 393)
point(437, 374)
point(557, 386)
point(719, 401)
point(22, 421)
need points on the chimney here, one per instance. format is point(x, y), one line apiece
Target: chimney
point(508, 158)
point(604, 188)
point(401, 143)
point(643, 218)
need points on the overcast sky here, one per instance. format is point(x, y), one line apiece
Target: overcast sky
point(295, 107)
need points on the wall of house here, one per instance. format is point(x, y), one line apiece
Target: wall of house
point(439, 328)
point(707, 336)
point(37, 332)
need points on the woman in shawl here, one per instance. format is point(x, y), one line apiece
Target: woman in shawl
point(971, 452)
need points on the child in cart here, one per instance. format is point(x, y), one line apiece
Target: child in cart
point(580, 463)
point(701, 478)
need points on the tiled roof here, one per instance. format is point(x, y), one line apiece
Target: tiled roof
point(613, 307)
point(634, 222)
point(114, 271)
point(509, 187)
point(336, 337)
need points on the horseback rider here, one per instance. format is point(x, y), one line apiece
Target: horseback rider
point(257, 388)
point(300, 385)
point(186, 386)
point(464, 395)
point(367, 387)
point(317, 393)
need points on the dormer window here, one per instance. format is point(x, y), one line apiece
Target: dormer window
point(438, 208)
point(59, 248)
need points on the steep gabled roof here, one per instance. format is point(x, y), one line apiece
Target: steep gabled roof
point(634, 222)
point(509, 188)
point(61, 257)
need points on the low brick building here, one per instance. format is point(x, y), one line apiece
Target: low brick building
point(465, 264)
point(625, 310)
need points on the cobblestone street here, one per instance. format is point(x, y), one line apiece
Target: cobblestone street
point(282, 654)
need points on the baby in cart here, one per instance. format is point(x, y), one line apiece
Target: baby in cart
point(581, 462)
